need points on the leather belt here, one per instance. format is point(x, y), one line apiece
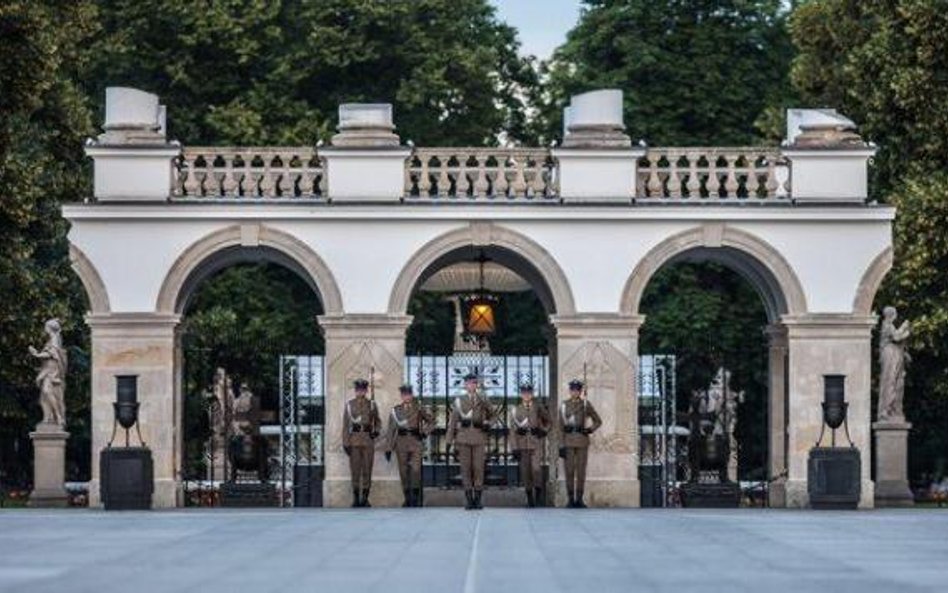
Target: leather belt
point(572, 429)
point(359, 428)
point(409, 431)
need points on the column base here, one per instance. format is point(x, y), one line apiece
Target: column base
point(777, 494)
point(49, 466)
point(894, 494)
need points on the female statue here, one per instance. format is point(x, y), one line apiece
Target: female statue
point(51, 379)
point(892, 361)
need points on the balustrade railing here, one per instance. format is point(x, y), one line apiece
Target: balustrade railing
point(480, 173)
point(250, 173)
point(712, 174)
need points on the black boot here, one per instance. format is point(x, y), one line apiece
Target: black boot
point(477, 500)
point(416, 500)
point(356, 501)
point(531, 498)
point(365, 498)
point(538, 497)
point(579, 500)
point(469, 496)
point(408, 501)
point(572, 501)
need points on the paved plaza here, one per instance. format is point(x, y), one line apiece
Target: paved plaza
point(447, 550)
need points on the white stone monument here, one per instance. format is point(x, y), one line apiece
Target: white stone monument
point(891, 429)
point(49, 438)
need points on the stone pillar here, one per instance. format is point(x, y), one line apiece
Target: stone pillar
point(355, 344)
point(607, 345)
point(777, 413)
point(49, 466)
point(825, 344)
point(892, 488)
point(140, 344)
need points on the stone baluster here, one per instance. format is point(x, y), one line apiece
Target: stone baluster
point(752, 185)
point(267, 187)
point(771, 184)
point(654, 186)
point(693, 187)
point(480, 184)
point(714, 182)
point(538, 184)
point(307, 181)
point(192, 185)
point(731, 184)
point(500, 177)
point(518, 188)
point(229, 182)
point(462, 183)
point(444, 179)
point(424, 176)
point(674, 180)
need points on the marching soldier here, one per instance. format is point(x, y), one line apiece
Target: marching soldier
point(408, 425)
point(529, 424)
point(360, 427)
point(471, 417)
point(574, 413)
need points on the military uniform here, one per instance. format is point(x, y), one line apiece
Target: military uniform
point(468, 424)
point(575, 415)
point(529, 424)
point(360, 427)
point(408, 424)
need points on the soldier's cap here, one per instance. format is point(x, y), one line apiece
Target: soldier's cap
point(526, 387)
point(405, 389)
point(575, 384)
point(360, 384)
point(470, 377)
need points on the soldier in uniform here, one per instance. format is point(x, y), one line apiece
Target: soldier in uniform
point(408, 425)
point(471, 417)
point(360, 427)
point(529, 424)
point(576, 414)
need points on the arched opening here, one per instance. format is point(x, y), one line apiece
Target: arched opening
point(250, 371)
point(712, 365)
point(443, 344)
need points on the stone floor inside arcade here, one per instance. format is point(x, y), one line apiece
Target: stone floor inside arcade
point(447, 550)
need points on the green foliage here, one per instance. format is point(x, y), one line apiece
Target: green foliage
point(43, 120)
point(274, 72)
point(694, 71)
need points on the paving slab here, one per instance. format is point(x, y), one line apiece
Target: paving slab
point(448, 550)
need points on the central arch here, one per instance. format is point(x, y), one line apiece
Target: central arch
point(541, 270)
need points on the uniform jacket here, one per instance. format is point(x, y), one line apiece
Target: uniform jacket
point(578, 419)
point(412, 417)
point(528, 425)
point(360, 420)
point(470, 418)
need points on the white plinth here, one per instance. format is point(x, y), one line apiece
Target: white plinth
point(49, 466)
point(892, 489)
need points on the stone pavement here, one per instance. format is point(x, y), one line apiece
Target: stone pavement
point(496, 550)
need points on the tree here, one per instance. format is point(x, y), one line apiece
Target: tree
point(883, 64)
point(274, 72)
point(694, 72)
point(43, 120)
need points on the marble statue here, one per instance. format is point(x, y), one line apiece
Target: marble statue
point(243, 417)
point(51, 379)
point(893, 359)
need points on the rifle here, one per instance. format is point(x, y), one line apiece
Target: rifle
point(375, 432)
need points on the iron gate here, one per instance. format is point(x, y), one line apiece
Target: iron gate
point(301, 429)
point(437, 380)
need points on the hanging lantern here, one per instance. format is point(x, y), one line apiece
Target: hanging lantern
point(480, 317)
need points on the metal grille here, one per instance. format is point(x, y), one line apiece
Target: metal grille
point(301, 429)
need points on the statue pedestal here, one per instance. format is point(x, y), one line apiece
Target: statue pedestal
point(892, 489)
point(49, 466)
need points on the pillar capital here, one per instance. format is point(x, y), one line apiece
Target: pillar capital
point(364, 325)
point(118, 324)
point(828, 326)
point(598, 325)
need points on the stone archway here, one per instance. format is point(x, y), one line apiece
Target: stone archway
point(545, 269)
point(871, 281)
point(779, 289)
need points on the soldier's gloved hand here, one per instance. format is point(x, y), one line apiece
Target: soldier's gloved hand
point(374, 434)
point(388, 456)
point(587, 431)
point(348, 450)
